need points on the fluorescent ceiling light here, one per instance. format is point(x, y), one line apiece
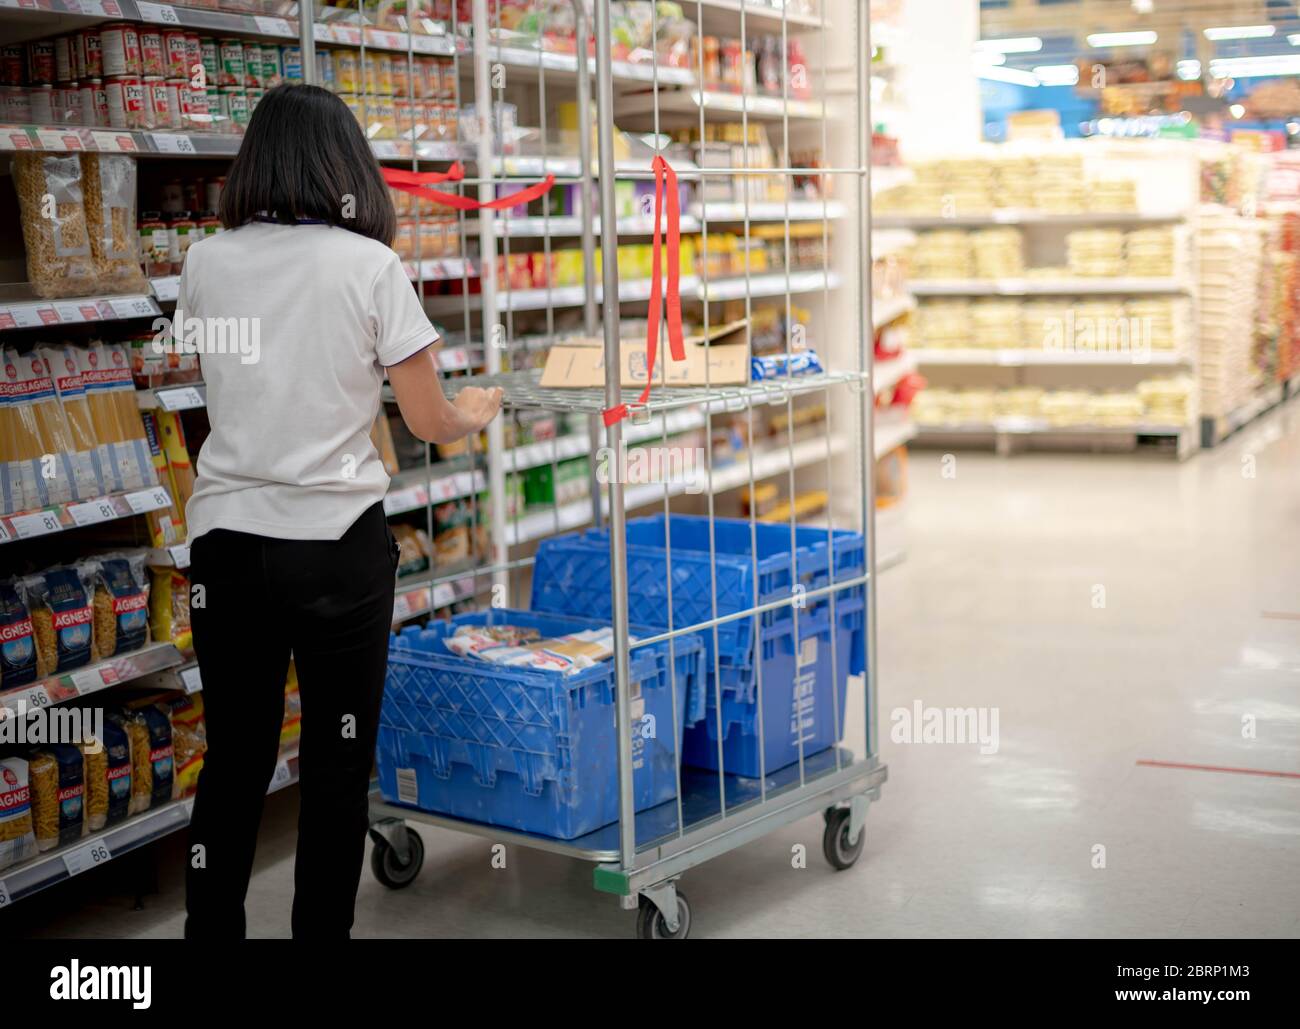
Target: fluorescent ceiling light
point(1012, 75)
point(1189, 71)
point(1012, 45)
point(1057, 74)
point(1103, 40)
point(1294, 40)
point(986, 59)
point(1241, 32)
point(1255, 67)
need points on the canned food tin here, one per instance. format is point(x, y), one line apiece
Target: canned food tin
point(291, 63)
point(40, 62)
point(210, 58)
point(17, 105)
point(198, 113)
point(378, 74)
point(91, 52)
point(157, 108)
point(252, 64)
point(13, 65)
point(41, 100)
point(121, 49)
point(73, 111)
point(347, 77)
point(429, 78)
point(126, 106)
point(271, 73)
point(401, 77)
point(178, 101)
point(94, 103)
point(65, 67)
point(235, 100)
point(218, 115)
point(405, 110)
point(176, 55)
point(231, 70)
point(153, 59)
point(58, 109)
point(447, 79)
point(212, 192)
point(255, 95)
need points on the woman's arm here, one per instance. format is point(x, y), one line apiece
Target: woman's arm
point(426, 410)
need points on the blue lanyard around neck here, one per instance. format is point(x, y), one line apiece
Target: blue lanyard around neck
point(297, 221)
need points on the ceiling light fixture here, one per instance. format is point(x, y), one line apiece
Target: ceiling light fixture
point(1011, 45)
point(1105, 40)
point(1241, 32)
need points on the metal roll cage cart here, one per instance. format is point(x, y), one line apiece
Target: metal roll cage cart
point(641, 857)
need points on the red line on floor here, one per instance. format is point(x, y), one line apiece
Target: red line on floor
point(1284, 616)
point(1220, 768)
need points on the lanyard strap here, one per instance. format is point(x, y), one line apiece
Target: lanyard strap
point(665, 183)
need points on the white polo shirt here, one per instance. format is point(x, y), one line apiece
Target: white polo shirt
point(294, 381)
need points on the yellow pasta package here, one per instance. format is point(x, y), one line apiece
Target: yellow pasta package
point(40, 465)
point(178, 456)
point(117, 359)
point(166, 526)
point(87, 460)
point(17, 835)
point(169, 608)
point(108, 383)
point(103, 414)
point(108, 187)
point(59, 263)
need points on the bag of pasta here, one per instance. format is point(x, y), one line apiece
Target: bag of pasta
point(189, 742)
point(38, 454)
point(169, 608)
point(17, 643)
point(58, 794)
point(108, 776)
point(50, 204)
point(121, 603)
point(162, 753)
point(62, 619)
point(17, 836)
point(90, 453)
point(108, 186)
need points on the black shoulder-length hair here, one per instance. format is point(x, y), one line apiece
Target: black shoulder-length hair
point(305, 156)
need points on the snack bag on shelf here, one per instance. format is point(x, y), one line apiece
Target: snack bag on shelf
point(109, 189)
point(169, 608)
point(121, 603)
point(39, 468)
point(59, 262)
point(62, 619)
point(178, 458)
point(58, 794)
point(17, 834)
point(17, 642)
point(61, 364)
point(166, 526)
point(189, 742)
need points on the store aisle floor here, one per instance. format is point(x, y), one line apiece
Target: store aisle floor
point(1110, 610)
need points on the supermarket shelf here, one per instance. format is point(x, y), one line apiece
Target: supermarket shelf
point(892, 434)
point(767, 211)
point(534, 455)
point(410, 491)
point(689, 101)
point(522, 390)
point(885, 311)
point(433, 269)
point(421, 598)
point(642, 73)
point(758, 15)
point(1214, 430)
point(888, 242)
point(183, 397)
point(887, 374)
point(55, 866)
point(1043, 287)
point(884, 176)
point(1015, 426)
point(1013, 358)
point(770, 284)
point(177, 555)
point(77, 513)
point(767, 463)
point(571, 225)
point(82, 682)
point(27, 314)
point(1017, 216)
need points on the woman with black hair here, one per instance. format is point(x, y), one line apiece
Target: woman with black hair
point(297, 311)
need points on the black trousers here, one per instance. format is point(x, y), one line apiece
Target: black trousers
point(330, 604)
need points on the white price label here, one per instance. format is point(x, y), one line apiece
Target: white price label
point(170, 143)
point(69, 314)
point(187, 807)
point(4, 894)
point(273, 26)
point(36, 697)
point(181, 399)
point(26, 316)
point(191, 679)
point(281, 778)
point(162, 13)
point(5, 536)
point(180, 554)
point(402, 607)
point(54, 139)
point(405, 499)
point(167, 288)
point(148, 500)
point(38, 523)
point(443, 595)
point(88, 856)
point(92, 511)
point(132, 307)
point(87, 680)
point(114, 142)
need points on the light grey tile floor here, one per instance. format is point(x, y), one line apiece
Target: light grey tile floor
point(996, 606)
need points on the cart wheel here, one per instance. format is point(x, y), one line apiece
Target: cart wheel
point(829, 813)
point(389, 869)
point(650, 924)
point(835, 840)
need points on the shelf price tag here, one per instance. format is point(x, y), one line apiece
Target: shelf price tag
point(5, 534)
point(281, 778)
point(4, 894)
point(87, 680)
point(115, 142)
point(166, 288)
point(54, 139)
point(180, 399)
point(88, 856)
point(273, 26)
point(36, 697)
point(180, 554)
point(93, 511)
point(163, 13)
point(170, 143)
point(132, 307)
point(38, 523)
point(191, 679)
point(152, 499)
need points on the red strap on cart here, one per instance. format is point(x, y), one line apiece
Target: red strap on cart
point(417, 184)
point(665, 182)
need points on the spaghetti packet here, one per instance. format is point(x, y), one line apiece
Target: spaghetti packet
point(61, 365)
point(38, 469)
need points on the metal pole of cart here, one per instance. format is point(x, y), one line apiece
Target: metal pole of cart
point(614, 433)
point(867, 363)
point(307, 38)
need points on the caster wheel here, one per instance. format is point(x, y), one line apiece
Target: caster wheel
point(835, 840)
point(829, 813)
point(388, 868)
point(650, 924)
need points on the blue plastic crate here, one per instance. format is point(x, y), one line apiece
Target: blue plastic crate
point(530, 749)
point(571, 574)
point(805, 688)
